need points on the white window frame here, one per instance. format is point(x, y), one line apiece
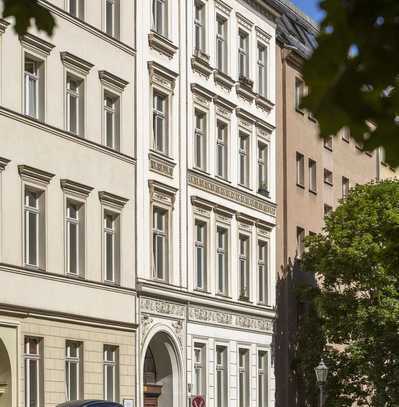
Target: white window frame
point(262, 382)
point(263, 268)
point(33, 358)
point(244, 260)
point(201, 245)
point(312, 175)
point(162, 29)
point(225, 252)
point(243, 52)
point(222, 38)
point(164, 234)
point(80, 8)
point(224, 145)
point(200, 26)
point(244, 371)
point(162, 115)
point(114, 232)
point(244, 156)
point(199, 389)
point(115, 18)
point(262, 70)
point(78, 94)
point(223, 368)
point(33, 77)
point(263, 163)
point(113, 363)
point(77, 361)
point(200, 139)
point(112, 109)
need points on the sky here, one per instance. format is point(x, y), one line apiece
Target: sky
point(310, 7)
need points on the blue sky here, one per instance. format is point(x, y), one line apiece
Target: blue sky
point(310, 7)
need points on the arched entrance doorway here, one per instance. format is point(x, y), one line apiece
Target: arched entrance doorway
point(161, 373)
point(5, 377)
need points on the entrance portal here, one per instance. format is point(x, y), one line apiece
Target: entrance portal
point(161, 385)
point(5, 377)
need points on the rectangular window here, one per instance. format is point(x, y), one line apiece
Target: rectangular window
point(221, 44)
point(243, 373)
point(111, 121)
point(200, 139)
point(33, 88)
point(76, 8)
point(199, 25)
point(244, 251)
point(221, 376)
point(73, 370)
point(263, 267)
point(111, 247)
point(74, 105)
point(299, 93)
point(328, 177)
point(111, 373)
point(328, 143)
point(221, 150)
point(112, 18)
point(159, 15)
point(33, 372)
point(300, 169)
point(345, 187)
point(160, 243)
point(263, 170)
point(300, 241)
point(200, 255)
point(34, 229)
point(262, 379)
point(222, 260)
point(243, 54)
point(199, 379)
point(312, 176)
point(160, 123)
point(243, 159)
point(327, 210)
point(262, 70)
point(75, 237)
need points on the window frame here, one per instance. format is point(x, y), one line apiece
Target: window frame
point(165, 117)
point(202, 135)
point(245, 370)
point(312, 166)
point(115, 18)
point(345, 187)
point(262, 64)
point(300, 240)
point(39, 77)
point(244, 258)
point(201, 366)
point(264, 374)
point(115, 111)
point(224, 368)
point(244, 53)
point(222, 38)
point(80, 105)
point(115, 233)
point(80, 9)
point(300, 170)
point(225, 252)
point(204, 245)
point(114, 364)
point(37, 358)
point(244, 156)
point(328, 177)
point(263, 282)
point(78, 361)
point(200, 26)
point(164, 31)
point(264, 163)
point(224, 146)
point(165, 235)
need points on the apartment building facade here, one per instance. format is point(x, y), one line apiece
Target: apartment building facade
point(67, 213)
point(206, 193)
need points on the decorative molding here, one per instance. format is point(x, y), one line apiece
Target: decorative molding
point(200, 63)
point(225, 191)
point(246, 219)
point(263, 104)
point(115, 201)
point(263, 131)
point(3, 25)
point(263, 35)
point(267, 11)
point(109, 79)
point(262, 231)
point(75, 188)
point(3, 163)
point(33, 174)
point(223, 80)
point(161, 307)
point(230, 319)
point(245, 92)
point(162, 193)
point(162, 76)
point(202, 206)
point(223, 106)
point(145, 324)
point(244, 22)
point(162, 44)
point(201, 95)
point(73, 62)
point(36, 44)
point(161, 165)
point(222, 7)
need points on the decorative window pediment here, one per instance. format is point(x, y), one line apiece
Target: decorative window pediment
point(223, 8)
point(201, 95)
point(112, 81)
point(201, 206)
point(35, 175)
point(3, 25)
point(75, 188)
point(162, 76)
point(245, 119)
point(262, 35)
point(111, 200)
point(36, 44)
point(244, 22)
point(3, 163)
point(161, 193)
point(75, 63)
point(224, 107)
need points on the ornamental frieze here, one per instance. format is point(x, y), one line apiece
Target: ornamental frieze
point(231, 194)
point(167, 308)
point(201, 314)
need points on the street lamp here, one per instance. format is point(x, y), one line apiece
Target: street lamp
point(321, 377)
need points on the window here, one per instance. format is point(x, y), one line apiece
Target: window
point(221, 44)
point(33, 87)
point(300, 170)
point(200, 255)
point(346, 134)
point(76, 8)
point(199, 25)
point(243, 54)
point(75, 242)
point(74, 105)
point(262, 379)
point(159, 15)
point(111, 247)
point(328, 177)
point(199, 379)
point(221, 376)
point(200, 140)
point(300, 242)
point(34, 227)
point(112, 18)
point(111, 120)
point(160, 243)
point(222, 259)
point(73, 370)
point(221, 150)
point(345, 187)
point(243, 159)
point(243, 372)
point(244, 266)
point(160, 123)
point(312, 176)
point(263, 266)
point(111, 373)
point(328, 143)
point(299, 92)
point(262, 70)
point(263, 178)
point(33, 372)
point(327, 210)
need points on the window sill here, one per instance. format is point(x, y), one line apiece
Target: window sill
point(202, 291)
point(328, 148)
point(218, 177)
point(246, 187)
point(162, 155)
point(302, 186)
point(345, 139)
point(111, 283)
point(162, 44)
point(330, 184)
point(74, 276)
point(202, 171)
point(312, 118)
point(312, 191)
point(300, 111)
point(225, 296)
point(223, 79)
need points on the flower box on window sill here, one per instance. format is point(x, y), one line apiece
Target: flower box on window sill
point(200, 63)
point(223, 79)
point(161, 44)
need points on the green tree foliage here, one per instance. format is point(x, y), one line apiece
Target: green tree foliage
point(356, 303)
point(24, 11)
point(353, 74)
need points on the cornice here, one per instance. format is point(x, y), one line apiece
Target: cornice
point(115, 201)
point(162, 44)
point(222, 7)
point(3, 163)
point(33, 174)
point(112, 80)
point(36, 44)
point(75, 188)
point(76, 63)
